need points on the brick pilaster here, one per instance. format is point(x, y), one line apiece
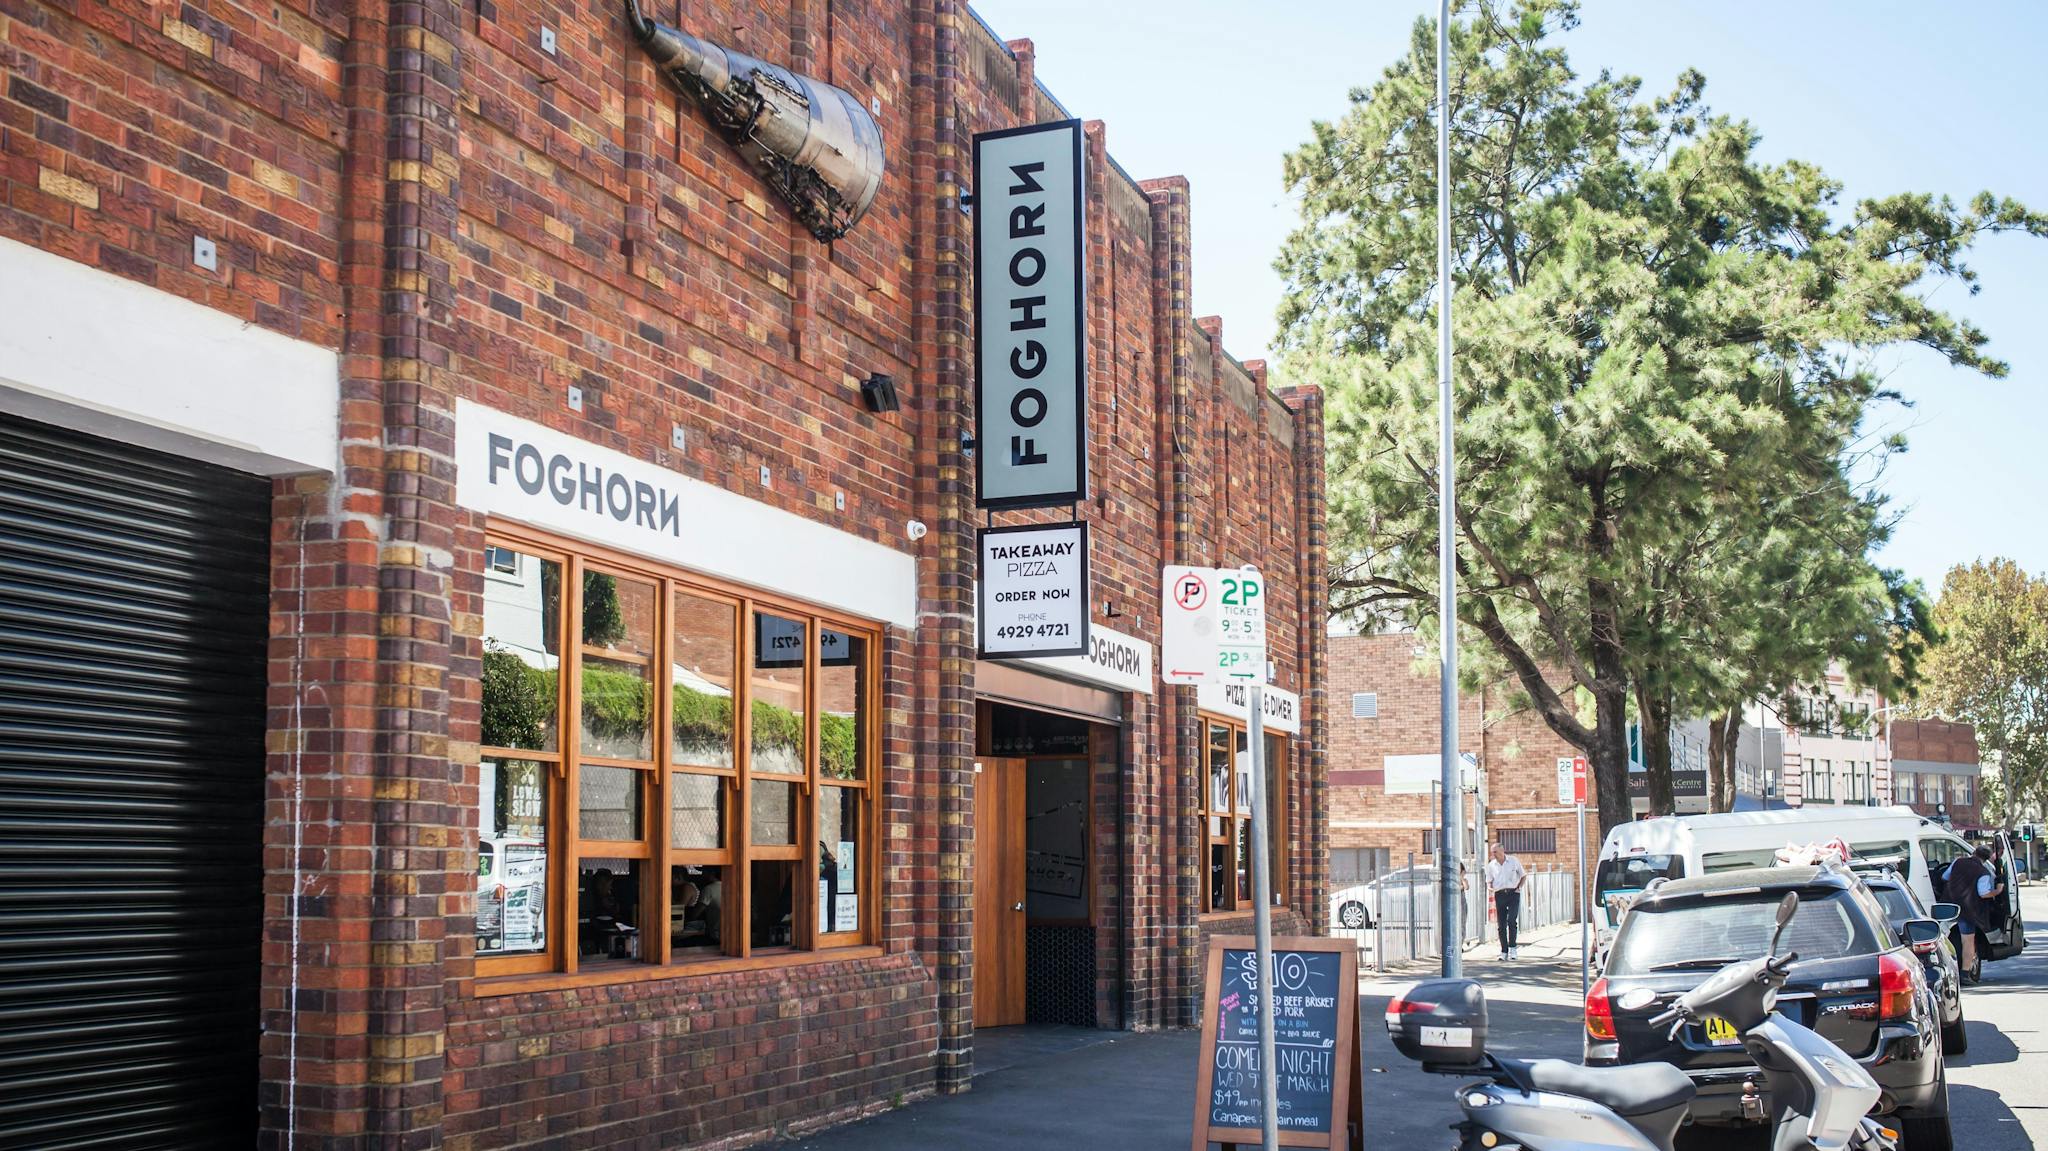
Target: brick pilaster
point(1311, 509)
point(946, 603)
point(1179, 739)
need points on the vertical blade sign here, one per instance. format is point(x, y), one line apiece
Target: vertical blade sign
point(1030, 330)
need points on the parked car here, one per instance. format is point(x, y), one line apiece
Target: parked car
point(1385, 898)
point(1856, 982)
point(1944, 976)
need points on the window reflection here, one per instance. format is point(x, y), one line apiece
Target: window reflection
point(778, 689)
point(521, 653)
point(618, 652)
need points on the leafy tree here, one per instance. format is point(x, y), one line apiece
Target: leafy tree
point(1991, 671)
point(1646, 309)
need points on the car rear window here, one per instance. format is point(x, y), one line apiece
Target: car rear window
point(1634, 872)
point(1897, 904)
point(1729, 927)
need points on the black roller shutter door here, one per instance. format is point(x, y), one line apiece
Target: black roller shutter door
point(134, 593)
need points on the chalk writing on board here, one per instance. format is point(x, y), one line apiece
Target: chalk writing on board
point(1306, 988)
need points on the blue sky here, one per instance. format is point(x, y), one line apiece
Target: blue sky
point(1884, 96)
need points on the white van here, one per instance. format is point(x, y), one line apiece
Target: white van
point(1675, 847)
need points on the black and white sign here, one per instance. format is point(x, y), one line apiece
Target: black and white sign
point(1030, 326)
point(1034, 590)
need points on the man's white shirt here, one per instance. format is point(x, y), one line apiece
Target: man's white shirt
point(1504, 874)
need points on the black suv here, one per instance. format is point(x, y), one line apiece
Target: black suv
point(1944, 974)
point(1856, 983)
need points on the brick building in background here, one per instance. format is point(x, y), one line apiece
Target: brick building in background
point(460, 542)
point(1936, 770)
point(1384, 740)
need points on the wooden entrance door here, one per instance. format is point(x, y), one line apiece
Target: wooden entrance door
point(999, 893)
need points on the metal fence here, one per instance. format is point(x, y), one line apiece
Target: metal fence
point(1403, 916)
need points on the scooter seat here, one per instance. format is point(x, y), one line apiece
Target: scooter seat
point(1637, 1090)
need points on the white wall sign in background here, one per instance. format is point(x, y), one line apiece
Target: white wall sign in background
point(1034, 591)
point(506, 466)
point(1282, 708)
point(1030, 327)
point(1418, 774)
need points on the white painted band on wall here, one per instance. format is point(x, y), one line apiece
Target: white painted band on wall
point(523, 471)
point(89, 350)
point(1114, 660)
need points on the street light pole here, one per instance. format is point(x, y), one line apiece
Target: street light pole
point(1447, 503)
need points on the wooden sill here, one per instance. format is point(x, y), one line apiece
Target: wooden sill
point(488, 987)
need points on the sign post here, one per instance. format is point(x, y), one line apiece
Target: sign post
point(1214, 631)
point(1578, 777)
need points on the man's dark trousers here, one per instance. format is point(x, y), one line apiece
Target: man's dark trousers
point(1507, 913)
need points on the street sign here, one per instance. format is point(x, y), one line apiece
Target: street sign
point(1579, 780)
point(1189, 639)
point(1565, 793)
point(1241, 624)
point(1213, 625)
point(1030, 317)
point(1034, 591)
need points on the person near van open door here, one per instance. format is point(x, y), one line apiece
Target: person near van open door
point(1975, 888)
point(1505, 878)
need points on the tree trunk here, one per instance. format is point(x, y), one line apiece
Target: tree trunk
point(1724, 735)
point(1607, 758)
point(1717, 767)
point(1653, 712)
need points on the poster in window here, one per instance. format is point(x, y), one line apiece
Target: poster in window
point(521, 803)
point(845, 860)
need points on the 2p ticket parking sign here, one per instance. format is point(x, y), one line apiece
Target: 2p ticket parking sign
point(1034, 591)
point(1214, 625)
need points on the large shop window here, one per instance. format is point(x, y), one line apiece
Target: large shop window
point(617, 836)
point(1227, 814)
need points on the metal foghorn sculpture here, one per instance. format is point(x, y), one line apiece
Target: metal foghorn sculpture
point(813, 142)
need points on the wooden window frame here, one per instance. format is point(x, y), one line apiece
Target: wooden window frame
point(558, 964)
point(1277, 774)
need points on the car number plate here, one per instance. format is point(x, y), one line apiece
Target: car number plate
point(1720, 1032)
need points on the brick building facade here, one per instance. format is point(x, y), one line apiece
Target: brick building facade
point(1936, 769)
point(439, 368)
point(1384, 739)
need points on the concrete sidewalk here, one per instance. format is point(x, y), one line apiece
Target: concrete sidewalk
point(1051, 1087)
point(1131, 1091)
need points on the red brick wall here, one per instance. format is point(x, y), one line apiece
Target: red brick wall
point(463, 215)
point(1517, 749)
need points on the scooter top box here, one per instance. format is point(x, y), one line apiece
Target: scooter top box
point(1440, 1021)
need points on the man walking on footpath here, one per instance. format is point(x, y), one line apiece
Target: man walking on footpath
point(1504, 878)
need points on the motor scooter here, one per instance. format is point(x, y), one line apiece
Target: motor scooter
point(1820, 1097)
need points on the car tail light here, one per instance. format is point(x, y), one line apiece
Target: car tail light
point(1895, 986)
point(1599, 1013)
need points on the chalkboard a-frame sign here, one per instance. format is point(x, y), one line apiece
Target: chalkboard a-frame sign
point(1315, 982)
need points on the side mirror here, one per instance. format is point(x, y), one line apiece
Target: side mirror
point(1786, 907)
point(1947, 913)
point(1920, 931)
